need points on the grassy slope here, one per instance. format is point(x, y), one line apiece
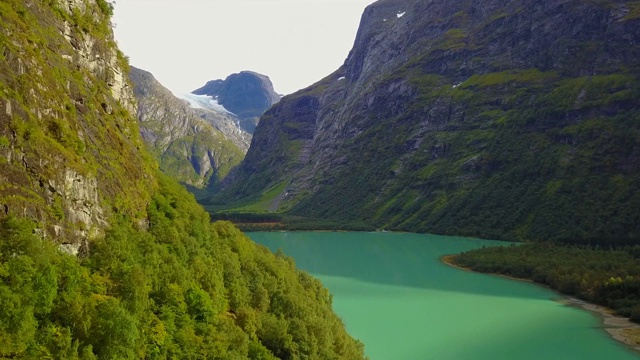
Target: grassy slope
point(177, 159)
point(524, 169)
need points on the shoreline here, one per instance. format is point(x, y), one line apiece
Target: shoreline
point(619, 328)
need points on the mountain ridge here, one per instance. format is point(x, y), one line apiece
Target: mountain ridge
point(480, 119)
point(184, 140)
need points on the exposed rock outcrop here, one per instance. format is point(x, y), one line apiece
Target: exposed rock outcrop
point(70, 152)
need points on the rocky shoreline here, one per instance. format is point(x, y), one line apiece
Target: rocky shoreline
point(620, 328)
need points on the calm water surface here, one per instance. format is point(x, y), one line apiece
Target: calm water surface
point(396, 297)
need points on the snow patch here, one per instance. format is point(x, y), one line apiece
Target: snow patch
point(455, 86)
point(401, 14)
point(204, 102)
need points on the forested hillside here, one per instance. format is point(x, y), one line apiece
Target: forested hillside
point(184, 288)
point(101, 256)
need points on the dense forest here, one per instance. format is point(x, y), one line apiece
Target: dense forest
point(247, 221)
point(605, 276)
point(182, 289)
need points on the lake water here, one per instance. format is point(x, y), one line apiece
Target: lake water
point(395, 296)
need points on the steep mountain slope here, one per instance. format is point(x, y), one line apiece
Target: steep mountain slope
point(508, 120)
point(70, 152)
point(246, 94)
point(151, 277)
point(187, 147)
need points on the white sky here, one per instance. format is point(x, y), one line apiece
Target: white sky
point(185, 43)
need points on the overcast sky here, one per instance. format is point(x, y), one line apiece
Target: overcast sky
point(185, 43)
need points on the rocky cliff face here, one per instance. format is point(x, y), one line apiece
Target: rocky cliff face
point(513, 120)
point(69, 151)
point(246, 94)
point(186, 143)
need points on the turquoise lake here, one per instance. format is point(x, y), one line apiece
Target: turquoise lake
point(396, 296)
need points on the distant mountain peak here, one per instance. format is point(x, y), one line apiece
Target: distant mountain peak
point(247, 94)
point(211, 87)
